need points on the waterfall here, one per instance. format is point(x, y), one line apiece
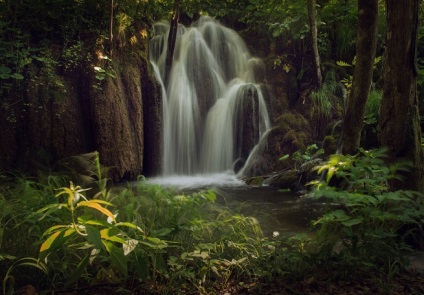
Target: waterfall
point(214, 112)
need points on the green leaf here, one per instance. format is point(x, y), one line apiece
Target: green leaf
point(5, 70)
point(47, 210)
point(142, 267)
point(93, 236)
point(130, 225)
point(161, 232)
point(353, 221)
point(117, 257)
point(78, 271)
point(339, 214)
point(96, 222)
point(17, 76)
point(286, 156)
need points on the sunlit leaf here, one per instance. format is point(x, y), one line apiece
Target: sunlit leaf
point(111, 235)
point(343, 64)
point(330, 173)
point(98, 207)
point(52, 243)
point(54, 229)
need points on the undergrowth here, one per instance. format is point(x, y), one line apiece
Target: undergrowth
point(59, 236)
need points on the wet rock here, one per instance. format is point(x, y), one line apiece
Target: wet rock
point(256, 181)
point(246, 120)
point(288, 179)
point(238, 165)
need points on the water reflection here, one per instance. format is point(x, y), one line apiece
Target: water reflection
point(286, 212)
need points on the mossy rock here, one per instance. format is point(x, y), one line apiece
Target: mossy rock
point(285, 180)
point(329, 145)
point(256, 181)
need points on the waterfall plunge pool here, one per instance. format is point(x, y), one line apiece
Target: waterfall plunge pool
point(286, 212)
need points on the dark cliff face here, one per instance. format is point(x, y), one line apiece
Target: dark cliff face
point(122, 121)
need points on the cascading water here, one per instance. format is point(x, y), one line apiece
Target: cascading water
point(214, 112)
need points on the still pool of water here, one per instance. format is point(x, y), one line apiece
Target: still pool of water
point(287, 212)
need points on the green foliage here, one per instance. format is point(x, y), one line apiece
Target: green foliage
point(142, 231)
point(322, 98)
point(63, 35)
point(286, 257)
point(372, 109)
point(325, 102)
point(299, 157)
point(365, 231)
point(102, 73)
point(347, 81)
point(340, 26)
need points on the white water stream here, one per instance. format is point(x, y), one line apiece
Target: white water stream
point(214, 112)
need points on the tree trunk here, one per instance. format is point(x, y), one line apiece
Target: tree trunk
point(366, 43)
point(172, 39)
point(399, 116)
point(314, 32)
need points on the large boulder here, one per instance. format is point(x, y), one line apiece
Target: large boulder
point(288, 179)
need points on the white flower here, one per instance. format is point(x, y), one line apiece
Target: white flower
point(129, 246)
point(110, 220)
point(275, 234)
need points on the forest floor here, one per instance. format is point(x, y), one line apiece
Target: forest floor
point(410, 283)
point(407, 284)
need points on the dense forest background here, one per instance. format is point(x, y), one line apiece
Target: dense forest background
point(80, 110)
point(67, 66)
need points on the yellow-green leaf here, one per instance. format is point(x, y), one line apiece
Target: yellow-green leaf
point(98, 207)
point(101, 202)
point(54, 228)
point(106, 234)
point(130, 225)
point(343, 64)
point(69, 232)
point(48, 243)
point(330, 173)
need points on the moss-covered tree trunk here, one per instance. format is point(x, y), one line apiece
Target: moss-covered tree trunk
point(366, 44)
point(314, 33)
point(399, 117)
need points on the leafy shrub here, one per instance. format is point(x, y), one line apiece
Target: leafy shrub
point(365, 229)
point(139, 232)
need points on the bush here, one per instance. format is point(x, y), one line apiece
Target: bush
point(140, 232)
point(365, 229)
